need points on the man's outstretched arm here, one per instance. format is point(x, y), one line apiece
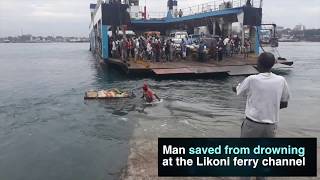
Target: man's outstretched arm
point(242, 88)
point(285, 96)
point(283, 105)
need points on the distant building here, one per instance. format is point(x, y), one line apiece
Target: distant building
point(299, 27)
point(28, 38)
point(50, 39)
point(280, 28)
point(25, 38)
point(59, 39)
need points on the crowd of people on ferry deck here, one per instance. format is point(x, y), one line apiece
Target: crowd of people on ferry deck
point(158, 49)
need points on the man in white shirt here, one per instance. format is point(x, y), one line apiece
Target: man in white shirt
point(266, 94)
point(226, 41)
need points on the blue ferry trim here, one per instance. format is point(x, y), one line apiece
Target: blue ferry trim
point(105, 42)
point(190, 17)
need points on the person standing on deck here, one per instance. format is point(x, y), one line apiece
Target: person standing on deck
point(237, 44)
point(213, 48)
point(110, 46)
point(125, 49)
point(114, 48)
point(163, 49)
point(141, 48)
point(225, 44)
point(180, 13)
point(220, 47)
point(122, 44)
point(232, 47)
point(128, 44)
point(119, 52)
point(167, 50)
point(172, 50)
point(248, 3)
point(132, 47)
point(136, 49)
point(266, 94)
point(247, 47)
point(149, 49)
point(201, 51)
point(228, 49)
point(158, 49)
point(154, 52)
point(183, 47)
point(176, 13)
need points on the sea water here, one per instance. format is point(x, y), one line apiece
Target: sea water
point(47, 130)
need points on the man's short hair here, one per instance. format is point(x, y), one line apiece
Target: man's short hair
point(266, 60)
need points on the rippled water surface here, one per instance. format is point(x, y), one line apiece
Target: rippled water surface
point(47, 130)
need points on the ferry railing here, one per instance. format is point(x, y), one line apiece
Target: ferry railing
point(215, 5)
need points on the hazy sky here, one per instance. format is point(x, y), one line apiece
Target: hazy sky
point(72, 18)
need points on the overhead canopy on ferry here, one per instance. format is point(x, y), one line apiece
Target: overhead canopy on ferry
point(251, 16)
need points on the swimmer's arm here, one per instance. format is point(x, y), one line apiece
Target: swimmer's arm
point(234, 88)
point(242, 88)
point(157, 97)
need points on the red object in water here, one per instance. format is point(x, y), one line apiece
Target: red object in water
point(148, 94)
point(145, 87)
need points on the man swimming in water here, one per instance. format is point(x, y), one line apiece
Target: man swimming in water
point(148, 94)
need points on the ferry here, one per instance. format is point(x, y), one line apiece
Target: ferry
point(220, 18)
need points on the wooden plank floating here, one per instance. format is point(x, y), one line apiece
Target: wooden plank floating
point(106, 94)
